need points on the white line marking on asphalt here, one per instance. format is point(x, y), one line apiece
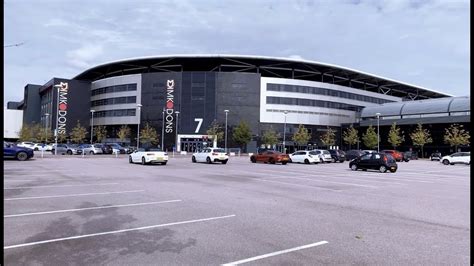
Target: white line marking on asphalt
point(319, 180)
point(19, 180)
point(74, 195)
point(276, 253)
point(90, 208)
point(286, 183)
point(117, 231)
point(103, 184)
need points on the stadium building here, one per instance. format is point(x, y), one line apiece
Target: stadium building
point(181, 95)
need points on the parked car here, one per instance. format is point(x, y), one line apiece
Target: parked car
point(458, 157)
point(210, 155)
point(106, 148)
point(413, 155)
point(66, 149)
point(375, 161)
point(324, 156)
point(26, 144)
point(148, 156)
point(405, 156)
point(436, 156)
point(270, 156)
point(395, 154)
point(368, 151)
point(306, 157)
point(116, 148)
point(352, 154)
point(90, 149)
point(338, 155)
point(11, 151)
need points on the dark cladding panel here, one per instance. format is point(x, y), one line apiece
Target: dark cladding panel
point(32, 104)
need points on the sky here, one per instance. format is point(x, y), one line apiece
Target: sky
point(424, 43)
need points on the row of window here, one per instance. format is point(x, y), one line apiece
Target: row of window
point(314, 103)
point(323, 91)
point(306, 112)
point(118, 112)
point(117, 100)
point(419, 115)
point(116, 88)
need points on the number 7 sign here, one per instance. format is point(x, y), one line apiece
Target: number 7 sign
point(199, 120)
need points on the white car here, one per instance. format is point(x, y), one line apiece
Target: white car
point(210, 155)
point(306, 157)
point(324, 156)
point(458, 157)
point(26, 144)
point(148, 156)
point(42, 147)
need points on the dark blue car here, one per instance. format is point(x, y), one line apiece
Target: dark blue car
point(14, 152)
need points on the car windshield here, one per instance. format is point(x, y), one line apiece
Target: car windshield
point(313, 153)
point(326, 152)
point(219, 150)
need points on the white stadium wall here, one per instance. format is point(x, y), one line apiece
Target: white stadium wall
point(12, 121)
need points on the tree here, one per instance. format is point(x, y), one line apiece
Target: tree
point(215, 130)
point(44, 134)
point(242, 134)
point(100, 133)
point(62, 137)
point(301, 136)
point(78, 133)
point(350, 136)
point(455, 135)
point(370, 138)
point(148, 134)
point(123, 133)
point(329, 138)
point(420, 137)
point(394, 136)
point(25, 133)
point(270, 137)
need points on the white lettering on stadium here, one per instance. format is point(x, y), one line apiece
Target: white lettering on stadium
point(62, 107)
point(169, 106)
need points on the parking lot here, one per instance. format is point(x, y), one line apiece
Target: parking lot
point(102, 210)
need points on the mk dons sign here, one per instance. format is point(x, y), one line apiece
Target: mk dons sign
point(169, 107)
point(62, 107)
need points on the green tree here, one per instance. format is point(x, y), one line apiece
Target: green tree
point(420, 137)
point(242, 134)
point(329, 138)
point(215, 130)
point(25, 133)
point(62, 138)
point(395, 137)
point(369, 138)
point(44, 134)
point(148, 134)
point(455, 135)
point(301, 136)
point(78, 133)
point(100, 133)
point(350, 136)
point(270, 137)
point(123, 133)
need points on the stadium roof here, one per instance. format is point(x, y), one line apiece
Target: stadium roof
point(266, 67)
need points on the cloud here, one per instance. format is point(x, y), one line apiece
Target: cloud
point(82, 56)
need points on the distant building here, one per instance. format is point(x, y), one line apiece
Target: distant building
point(12, 122)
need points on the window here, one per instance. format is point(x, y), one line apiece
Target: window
point(117, 88)
point(315, 103)
point(366, 157)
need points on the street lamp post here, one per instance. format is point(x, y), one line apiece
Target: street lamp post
point(57, 121)
point(46, 128)
point(225, 145)
point(378, 131)
point(92, 125)
point(284, 133)
point(177, 121)
point(163, 131)
point(139, 106)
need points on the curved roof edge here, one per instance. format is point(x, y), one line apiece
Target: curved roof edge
point(295, 60)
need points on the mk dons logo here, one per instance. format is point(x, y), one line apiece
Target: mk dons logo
point(62, 107)
point(169, 106)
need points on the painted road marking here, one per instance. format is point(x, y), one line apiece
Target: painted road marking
point(75, 195)
point(90, 208)
point(103, 184)
point(19, 180)
point(300, 185)
point(319, 180)
point(115, 232)
point(276, 253)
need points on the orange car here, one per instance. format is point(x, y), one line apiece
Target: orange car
point(270, 157)
point(398, 156)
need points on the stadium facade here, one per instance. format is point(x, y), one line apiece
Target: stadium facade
point(181, 95)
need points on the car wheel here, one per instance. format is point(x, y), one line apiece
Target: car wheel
point(306, 161)
point(445, 162)
point(271, 160)
point(130, 159)
point(164, 163)
point(193, 159)
point(21, 156)
point(143, 161)
point(321, 160)
point(393, 171)
point(383, 169)
point(52, 151)
point(36, 149)
point(284, 163)
point(253, 160)
point(91, 152)
point(354, 167)
point(224, 162)
point(69, 152)
point(208, 160)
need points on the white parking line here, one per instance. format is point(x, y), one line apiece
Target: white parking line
point(103, 184)
point(275, 253)
point(115, 232)
point(76, 195)
point(19, 180)
point(327, 181)
point(91, 208)
point(286, 183)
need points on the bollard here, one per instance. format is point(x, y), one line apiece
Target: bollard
point(116, 154)
point(83, 154)
point(42, 151)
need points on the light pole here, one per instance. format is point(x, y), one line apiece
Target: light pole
point(163, 131)
point(139, 106)
point(226, 113)
point(46, 128)
point(57, 121)
point(284, 133)
point(378, 131)
point(177, 121)
point(92, 125)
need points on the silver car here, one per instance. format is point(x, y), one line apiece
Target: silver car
point(91, 149)
point(66, 149)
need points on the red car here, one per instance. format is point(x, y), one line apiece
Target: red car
point(398, 156)
point(270, 157)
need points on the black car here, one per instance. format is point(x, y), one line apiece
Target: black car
point(20, 153)
point(436, 156)
point(352, 154)
point(406, 156)
point(106, 149)
point(117, 147)
point(375, 161)
point(413, 155)
point(338, 155)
